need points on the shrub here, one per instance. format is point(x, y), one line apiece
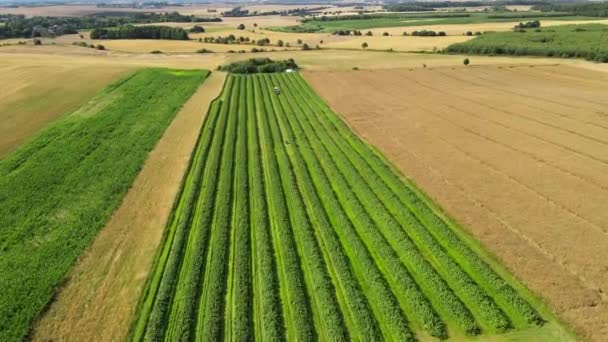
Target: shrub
point(100, 47)
point(197, 29)
point(206, 51)
point(240, 27)
point(364, 45)
point(466, 61)
point(156, 52)
point(385, 34)
point(305, 47)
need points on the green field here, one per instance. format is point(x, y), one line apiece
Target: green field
point(407, 20)
point(568, 41)
point(291, 227)
point(59, 189)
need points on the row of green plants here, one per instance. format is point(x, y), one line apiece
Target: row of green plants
point(291, 227)
point(569, 41)
point(60, 188)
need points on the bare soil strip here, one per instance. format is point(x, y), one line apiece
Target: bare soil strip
point(518, 155)
point(99, 298)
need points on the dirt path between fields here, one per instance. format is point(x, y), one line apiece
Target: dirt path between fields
point(98, 301)
point(517, 155)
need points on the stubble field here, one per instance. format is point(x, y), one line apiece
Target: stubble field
point(518, 155)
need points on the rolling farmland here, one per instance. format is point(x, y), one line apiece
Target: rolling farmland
point(60, 188)
point(290, 226)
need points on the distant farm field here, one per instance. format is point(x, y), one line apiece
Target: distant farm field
point(290, 226)
point(60, 188)
point(567, 41)
point(31, 96)
point(518, 155)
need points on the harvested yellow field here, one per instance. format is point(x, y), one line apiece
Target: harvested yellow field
point(397, 43)
point(460, 29)
point(517, 155)
point(33, 95)
point(102, 292)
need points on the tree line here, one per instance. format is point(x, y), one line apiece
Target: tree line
point(599, 9)
point(140, 32)
point(19, 26)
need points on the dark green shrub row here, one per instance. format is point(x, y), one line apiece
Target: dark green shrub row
point(140, 32)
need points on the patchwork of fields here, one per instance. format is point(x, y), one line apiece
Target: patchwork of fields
point(518, 155)
point(290, 226)
point(60, 188)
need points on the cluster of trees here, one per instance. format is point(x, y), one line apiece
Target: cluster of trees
point(197, 29)
point(19, 26)
point(428, 33)
point(599, 9)
point(92, 46)
point(352, 32)
point(230, 39)
point(140, 32)
point(259, 65)
point(529, 24)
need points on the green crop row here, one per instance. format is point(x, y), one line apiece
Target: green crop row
point(292, 228)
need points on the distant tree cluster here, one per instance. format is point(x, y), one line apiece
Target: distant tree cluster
point(197, 29)
point(593, 9)
point(259, 65)
point(140, 32)
point(347, 33)
point(427, 33)
point(529, 24)
point(229, 39)
point(19, 26)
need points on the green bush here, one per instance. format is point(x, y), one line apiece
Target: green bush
point(259, 65)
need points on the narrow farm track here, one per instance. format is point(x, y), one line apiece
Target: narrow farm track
point(292, 228)
point(534, 194)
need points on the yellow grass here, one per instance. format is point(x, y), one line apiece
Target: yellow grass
point(33, 95)
point(397, 43)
